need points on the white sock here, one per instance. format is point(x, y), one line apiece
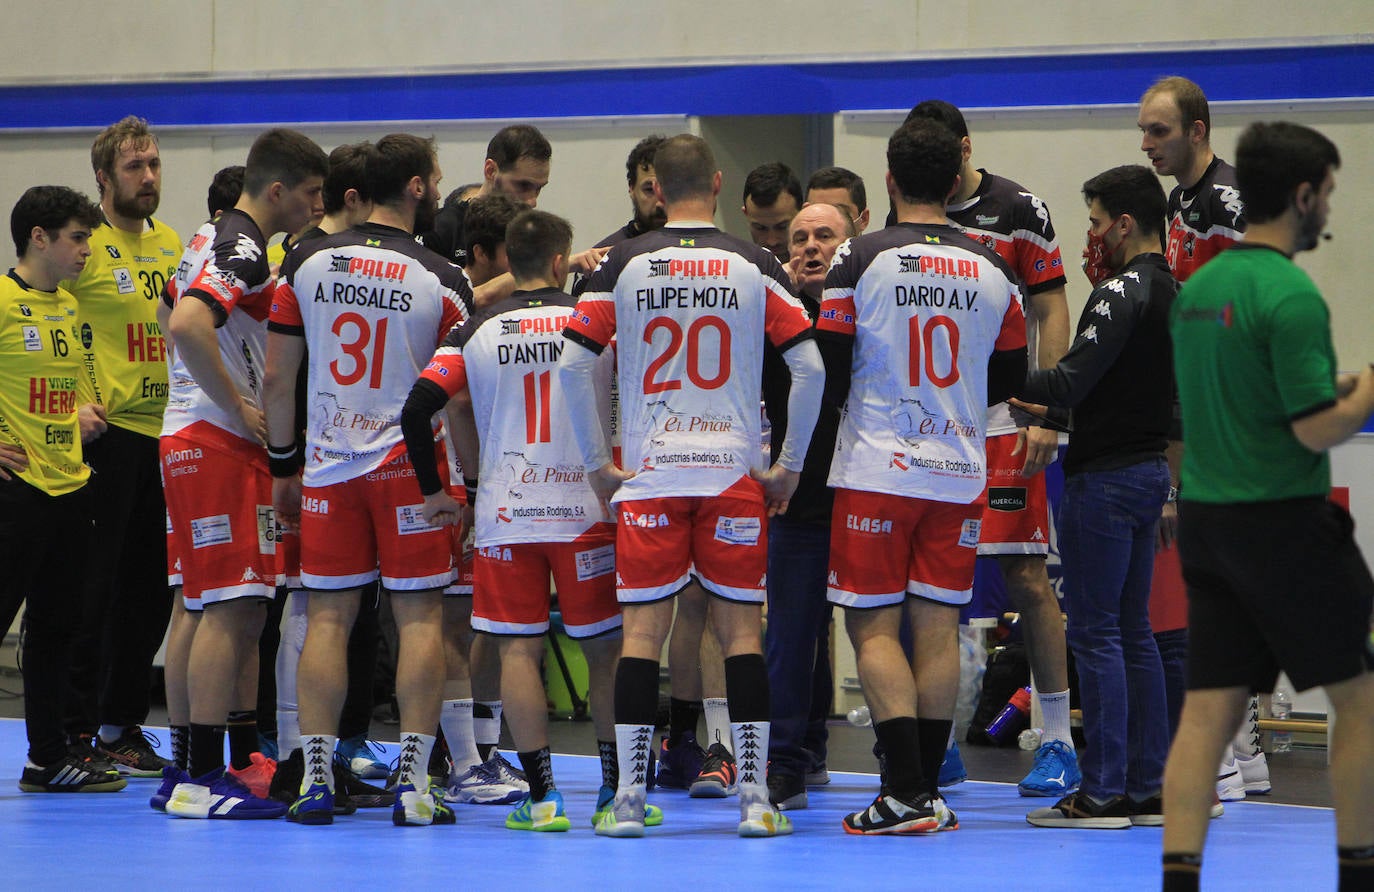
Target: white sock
point(1055, 708)
point(751, 759)
point(415, 750)
point(288, 658)
point(1246, 742)
point(632, 744)
point(455, 717)
point(318, 751)
point(488, 731)
point(111, 733)
point(718, 721)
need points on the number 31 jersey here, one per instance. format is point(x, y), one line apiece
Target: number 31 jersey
point(372, 305)
point(690, 307)
point(926, 307)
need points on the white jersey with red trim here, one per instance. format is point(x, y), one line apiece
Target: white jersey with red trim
point(225, 265)
point(532, 486)
point(926, 307)
point(372, 305)
point(690, 307)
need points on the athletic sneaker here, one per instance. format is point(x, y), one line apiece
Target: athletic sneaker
point(624, 817)
point(221, 796)
point(171, 776)
point(352, 793)
point(786, 791)
point(1230, 782)
point(545, 816)
point(718, 774)
point(679, 767)
point(817, 775)
point(416, 809)
point(71, 774)
point(1055, 772)
point(314, 807)
point(1077, 810)
point(257, 777)
point(890, 814)
point(360, 758)
point(758, 819)
point(1254, 771)
point(605, 798)
point(132, 753)
point(1150, 813)
point(506, 772)
point(952, 770)
point(82, 747)
point(478, 786)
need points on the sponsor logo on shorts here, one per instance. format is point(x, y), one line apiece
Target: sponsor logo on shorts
point(738, 530)
point(267, 530)
point(867, 524)
point(315, 505)
point(594, 562)
point(208, 531)
point(1007, 498)
point(495, 553)
point(644, 521)
point(968, 534)
point(410, 519)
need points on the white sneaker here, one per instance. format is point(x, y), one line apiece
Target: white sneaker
point(1230, 784)
point(1254, 771)
point(762, 818)
point(478, 786)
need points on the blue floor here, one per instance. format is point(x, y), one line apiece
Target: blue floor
point(115, 841)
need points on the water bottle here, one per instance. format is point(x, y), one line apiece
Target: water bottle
point(1030, 739)
point(1280, 708)
point(860, 717)
point(1013, 717)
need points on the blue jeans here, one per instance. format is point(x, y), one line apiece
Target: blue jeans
point(1107, 525)
point(798, 616)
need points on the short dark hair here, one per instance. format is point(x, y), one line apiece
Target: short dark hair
point(642, 155)
point(941, 111)
point(767, 183)
point(51, 207)
point(456, 196)
point(132, 130)
point(924, 157)
point(1188, 96)
point(225, 188)
point(282, 156)
point(1130, 189)
point(840, 178)
point(486, 220)
point(517, 141)
point(394, 161)
point(684, 167)
point(1273, 159)
point(532, 239)
point(347, 170)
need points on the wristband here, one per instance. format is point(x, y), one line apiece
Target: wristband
point(1173, 494)
point(470, 489)
point(282, 460)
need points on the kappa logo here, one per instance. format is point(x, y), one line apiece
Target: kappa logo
point(249, 575)
point(1103, 309)
point(1038, 535)
point(1115, 285)
point(246, 248)
point(833, 579)
point(1090, 334)
point(1041, 212)
point(1230, 199)
point(1132, 275)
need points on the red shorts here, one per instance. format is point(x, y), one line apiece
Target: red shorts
point(221, 536)
point(512, 593)
point(460, 546)
point(722, 540)
point(289, 558)
point(885, 547)
point(354, 531)
point(1016, 519)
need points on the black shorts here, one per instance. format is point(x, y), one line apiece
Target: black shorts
point(1274, 585)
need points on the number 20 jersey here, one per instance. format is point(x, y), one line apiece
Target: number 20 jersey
point(690, 307)
point(372, 305)
point(926, 306)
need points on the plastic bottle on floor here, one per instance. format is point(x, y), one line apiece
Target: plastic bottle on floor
point(1281, 708)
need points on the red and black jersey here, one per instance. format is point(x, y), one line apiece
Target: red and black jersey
point(1016, 224)
point(1204, 219)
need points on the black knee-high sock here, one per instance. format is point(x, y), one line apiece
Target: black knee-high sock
point(636, 691)
point(207, 749)
point(901, 744)
point(746, 687)
point(243, 737)
point(1181, 872)
point(934, 737)
point(1356, 869)
point(538, 767)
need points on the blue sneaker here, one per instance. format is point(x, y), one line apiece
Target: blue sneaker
point(315, 806)
point(171, 776)
point(546, 815)
point(952, 770)
point(605, 798)
point(1055, 772)
point(358, 755)
point(680, 766)
point(220, 796)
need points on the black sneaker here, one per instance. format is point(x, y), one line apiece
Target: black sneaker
point(1077, 810)
point(82, 747)
point(286, 783)
point(352, 793)
point(718, 774)
point(71, 774)
point(132, 754)
point(1148, 813)
point(890, 814)
point(786, 791)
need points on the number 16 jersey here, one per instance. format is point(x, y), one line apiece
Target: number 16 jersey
point(689, 307)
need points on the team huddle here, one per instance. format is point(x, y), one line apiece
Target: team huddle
point(411, 399)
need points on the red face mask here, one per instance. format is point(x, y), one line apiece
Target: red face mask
point(1097, 258)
